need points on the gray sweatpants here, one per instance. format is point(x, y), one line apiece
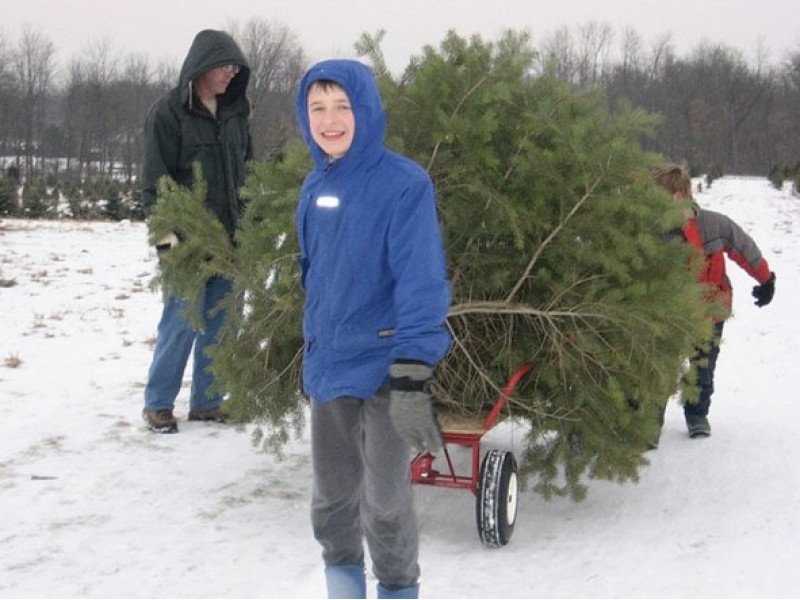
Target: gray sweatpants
point(362, 488)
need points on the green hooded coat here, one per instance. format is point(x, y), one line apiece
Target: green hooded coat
point(179, 131)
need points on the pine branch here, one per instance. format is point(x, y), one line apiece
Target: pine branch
point(541, 248)
point(455, 111)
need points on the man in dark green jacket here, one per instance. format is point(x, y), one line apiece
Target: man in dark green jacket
point(205, 120)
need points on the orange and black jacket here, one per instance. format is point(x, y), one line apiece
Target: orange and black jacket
point(716, 235)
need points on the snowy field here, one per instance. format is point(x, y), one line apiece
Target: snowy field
point(94, 506)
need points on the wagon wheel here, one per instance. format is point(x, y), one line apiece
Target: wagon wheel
point(496, 498)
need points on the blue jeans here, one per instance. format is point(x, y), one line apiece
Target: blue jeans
point(174, 342)
point(705, 374)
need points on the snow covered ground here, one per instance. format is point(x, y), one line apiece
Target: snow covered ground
point(94, 506)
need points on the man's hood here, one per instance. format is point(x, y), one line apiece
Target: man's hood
point(210, 49)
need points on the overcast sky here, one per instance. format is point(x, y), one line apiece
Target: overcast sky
point(163, 29)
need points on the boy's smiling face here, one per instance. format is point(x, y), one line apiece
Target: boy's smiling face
point(330, 118)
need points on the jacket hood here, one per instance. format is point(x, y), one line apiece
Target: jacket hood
point(209, 49)
point(361, 87)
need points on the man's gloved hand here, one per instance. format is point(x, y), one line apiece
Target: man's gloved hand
point(763, 293)
point(410, 406)
point(166, 243)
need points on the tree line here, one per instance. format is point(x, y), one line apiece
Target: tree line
point(72, 133)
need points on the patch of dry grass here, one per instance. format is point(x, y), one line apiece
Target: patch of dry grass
point(12, 361)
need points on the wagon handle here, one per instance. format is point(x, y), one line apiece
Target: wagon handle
point(501, 401)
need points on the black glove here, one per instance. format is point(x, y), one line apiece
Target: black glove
point(763, 293)
point(410, 406)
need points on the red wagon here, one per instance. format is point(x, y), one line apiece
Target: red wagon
point(493, 481)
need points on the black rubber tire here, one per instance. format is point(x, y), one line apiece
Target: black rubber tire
point(496, 498)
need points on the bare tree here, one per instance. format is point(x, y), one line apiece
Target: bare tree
point(581, 58)
point(627, 79)
point(73, 118)
point(733, 89)
point(136, 92)
point(661, 54)
point(277, 63)
point(594, 44)
point(102, 75)
point(9, 99)
point(632, 53)
point(558, 59)
point(787, 116)
point(34, 67)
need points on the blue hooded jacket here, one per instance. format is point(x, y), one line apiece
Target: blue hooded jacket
point(372, 258)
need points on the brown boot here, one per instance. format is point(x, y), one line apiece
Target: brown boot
point(160, 421)
point(217, 415)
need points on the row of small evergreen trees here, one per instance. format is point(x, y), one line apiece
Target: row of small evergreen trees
point(779, 175)
point(60, 197)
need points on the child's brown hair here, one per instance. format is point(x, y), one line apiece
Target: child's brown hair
point(674, 178)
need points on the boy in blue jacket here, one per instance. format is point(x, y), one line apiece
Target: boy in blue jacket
point(377, 296)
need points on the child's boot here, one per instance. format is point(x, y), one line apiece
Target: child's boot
point(698, 426)
point(346, 581)
point(411, 591)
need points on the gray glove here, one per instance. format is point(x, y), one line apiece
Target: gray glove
point(167, 242)
point(410, 407)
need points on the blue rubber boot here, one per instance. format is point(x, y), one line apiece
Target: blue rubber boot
point(411, 591)
point(346, 581)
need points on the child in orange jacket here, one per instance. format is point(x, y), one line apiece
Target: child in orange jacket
point(716, 236)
